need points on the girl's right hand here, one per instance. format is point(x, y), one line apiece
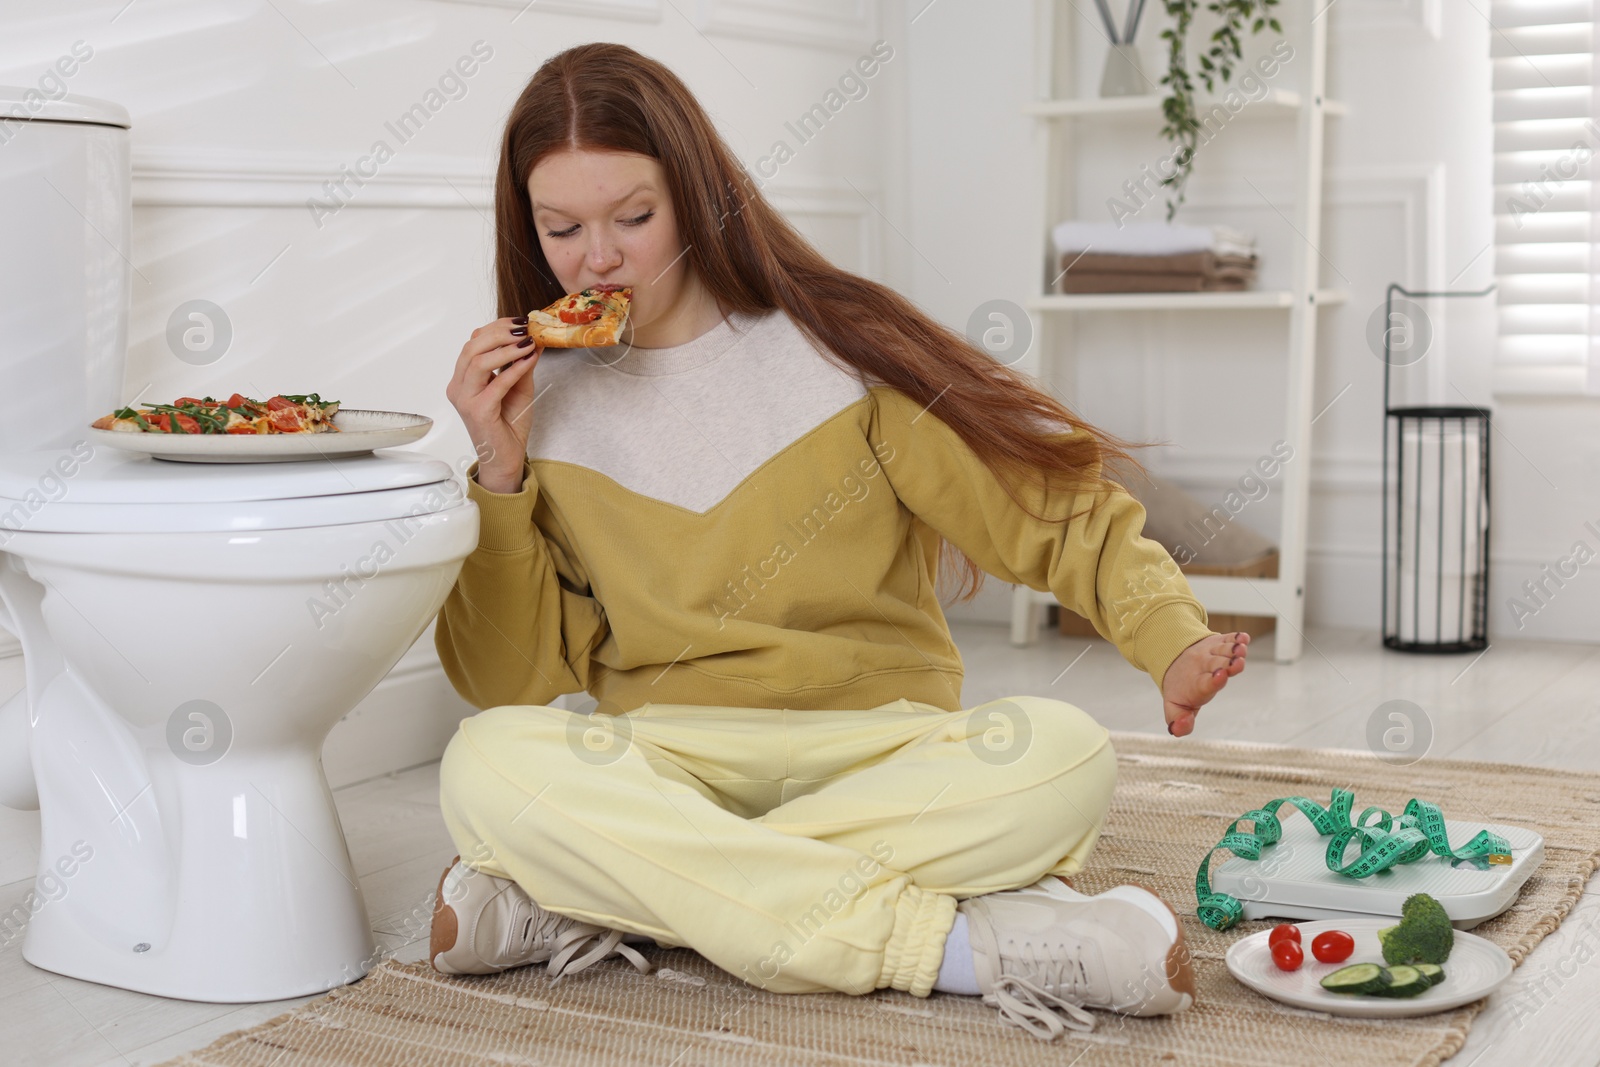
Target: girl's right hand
point(492, 391)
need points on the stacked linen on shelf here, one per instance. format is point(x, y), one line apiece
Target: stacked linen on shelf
point(1153, 257)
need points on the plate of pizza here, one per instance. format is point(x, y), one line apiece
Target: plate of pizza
point(590, 318)
point(284, 427)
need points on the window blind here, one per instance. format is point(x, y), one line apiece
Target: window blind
point(1546, 138)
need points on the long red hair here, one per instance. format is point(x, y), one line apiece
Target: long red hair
point(609, 97)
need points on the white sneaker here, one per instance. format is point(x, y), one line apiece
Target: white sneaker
point(483, 924)
point(1044, 953)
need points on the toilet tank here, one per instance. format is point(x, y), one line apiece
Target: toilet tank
point(65, 265)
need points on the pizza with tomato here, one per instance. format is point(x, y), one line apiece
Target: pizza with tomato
point(302, 413)
point(588, 319)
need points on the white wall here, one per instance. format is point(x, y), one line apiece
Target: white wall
point(243, 110)
point(1407, 199)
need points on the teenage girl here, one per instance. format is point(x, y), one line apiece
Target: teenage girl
point(728, 530)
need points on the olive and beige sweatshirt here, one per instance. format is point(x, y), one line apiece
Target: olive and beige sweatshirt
point(739, 521)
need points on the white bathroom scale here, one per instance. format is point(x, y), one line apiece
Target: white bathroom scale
point(1291, 880)
point(360, 431)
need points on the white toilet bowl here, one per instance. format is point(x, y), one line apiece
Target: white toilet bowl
point(191, 633)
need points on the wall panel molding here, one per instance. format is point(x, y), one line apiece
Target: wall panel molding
point(1337, 474)
point(185, 178)
point(1417, 189)
point(799, 200)
point(847, 25)
point(204, 178)
point(1416, 193)
point(1359, 20)
point(638, 10)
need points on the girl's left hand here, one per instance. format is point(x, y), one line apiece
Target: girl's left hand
point(1198, 674)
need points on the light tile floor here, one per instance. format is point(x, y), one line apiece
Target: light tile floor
point(1520, 701)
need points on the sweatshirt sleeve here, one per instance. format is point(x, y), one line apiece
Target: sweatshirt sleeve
point(519, 627)
point(1098, 565)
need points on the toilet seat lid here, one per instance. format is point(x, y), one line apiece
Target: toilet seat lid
point(105, 490)
point(22, 102)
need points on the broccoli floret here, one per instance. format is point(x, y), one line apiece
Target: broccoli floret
point(1423, 935)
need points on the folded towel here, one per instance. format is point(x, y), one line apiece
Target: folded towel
point(1126, 282)
point(1181, 263)
point(1149, 238)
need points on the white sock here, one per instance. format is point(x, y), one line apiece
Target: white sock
point(955, 972)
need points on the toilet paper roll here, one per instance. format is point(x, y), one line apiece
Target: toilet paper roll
point(1443, 518)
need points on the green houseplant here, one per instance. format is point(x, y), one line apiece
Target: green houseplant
point(1216, 62)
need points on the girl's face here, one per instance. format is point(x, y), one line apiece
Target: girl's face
point(607, 216)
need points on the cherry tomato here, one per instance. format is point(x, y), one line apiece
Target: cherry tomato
point(1288, 955)
point(1332, 946)
point(1284, 931)
point(279, 403)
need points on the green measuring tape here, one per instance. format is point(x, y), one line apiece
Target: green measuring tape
point(1384, 840)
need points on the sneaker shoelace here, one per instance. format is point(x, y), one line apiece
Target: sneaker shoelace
point(1033, 1000)
point(568, 937)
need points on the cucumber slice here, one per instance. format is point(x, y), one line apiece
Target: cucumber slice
point(1356, 978)
point(1404, 981)
point(1432, 972)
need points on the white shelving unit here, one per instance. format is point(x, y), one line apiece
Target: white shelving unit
point(1059, 119)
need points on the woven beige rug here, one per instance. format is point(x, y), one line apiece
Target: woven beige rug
point(1173, 801)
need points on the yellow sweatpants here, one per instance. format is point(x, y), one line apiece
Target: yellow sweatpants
point(803, 851)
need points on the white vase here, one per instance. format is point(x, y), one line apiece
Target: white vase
point(1124, 76)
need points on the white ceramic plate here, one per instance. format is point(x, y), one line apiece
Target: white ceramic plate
point(1475, 968)
point(359, 431)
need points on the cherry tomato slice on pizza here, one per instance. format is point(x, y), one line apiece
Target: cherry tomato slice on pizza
point(285, 420)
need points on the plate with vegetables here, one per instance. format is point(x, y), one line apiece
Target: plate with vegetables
point(244, 430)
point(1372, 967)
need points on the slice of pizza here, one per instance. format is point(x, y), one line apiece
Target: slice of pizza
point(300, 413)
point(163, 418)
point(592, 318)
